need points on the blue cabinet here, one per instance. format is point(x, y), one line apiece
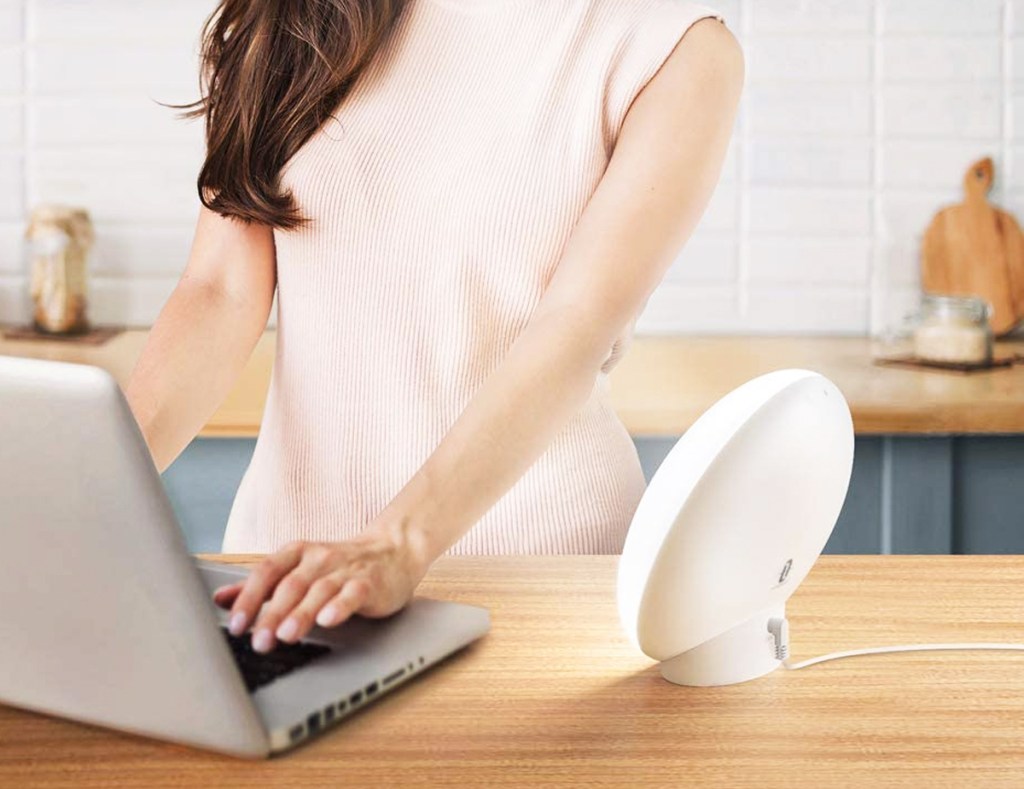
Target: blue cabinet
point(908, 494)
point(923, 494)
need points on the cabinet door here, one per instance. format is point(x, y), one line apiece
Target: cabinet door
point(201, 484)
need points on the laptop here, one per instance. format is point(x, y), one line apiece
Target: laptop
point(108, 619)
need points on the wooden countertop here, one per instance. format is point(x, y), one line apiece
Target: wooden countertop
point(555, 695)
point(664, 383)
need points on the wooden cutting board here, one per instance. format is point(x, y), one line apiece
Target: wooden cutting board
point(977, 249)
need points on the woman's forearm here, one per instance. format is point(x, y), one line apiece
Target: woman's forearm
point(194, 352)
point(544, 379)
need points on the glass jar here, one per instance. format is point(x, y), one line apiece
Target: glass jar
point(953, 330)
point(59, 241)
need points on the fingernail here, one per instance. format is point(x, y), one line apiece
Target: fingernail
point(263, 640)
point(326, 616)
point(237, 624)
point(288, 629)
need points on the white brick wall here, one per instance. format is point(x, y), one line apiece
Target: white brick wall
point(858, 120)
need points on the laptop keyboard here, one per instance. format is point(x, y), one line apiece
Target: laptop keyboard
point(259, 669)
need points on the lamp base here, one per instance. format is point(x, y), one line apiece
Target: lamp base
point(745, 652)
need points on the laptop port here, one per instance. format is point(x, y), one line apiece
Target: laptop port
point(313, 722)
point(421, 660)
point(342, 706)
point(328, 713)
point(372, 688)
point(295, 733)
point(355, 698)
point(393, 676)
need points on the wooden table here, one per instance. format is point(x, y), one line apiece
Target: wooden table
point(555, 695)
point(664, 383)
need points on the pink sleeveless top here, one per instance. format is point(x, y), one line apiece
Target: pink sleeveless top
point(441, 195)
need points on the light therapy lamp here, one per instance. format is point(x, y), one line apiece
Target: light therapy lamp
point(731, 523)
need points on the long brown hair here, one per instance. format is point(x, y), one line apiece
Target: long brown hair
point(271, 72)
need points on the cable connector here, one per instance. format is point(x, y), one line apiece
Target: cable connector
point(779, 628)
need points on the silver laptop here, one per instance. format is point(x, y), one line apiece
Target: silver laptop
point(106, 618)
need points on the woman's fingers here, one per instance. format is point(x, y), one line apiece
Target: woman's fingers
point(313, 563)
point(299, 620)
point(225, 595)
point(259, 583)
point(345, 603)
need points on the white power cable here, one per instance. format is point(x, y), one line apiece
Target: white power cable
point(779, 628)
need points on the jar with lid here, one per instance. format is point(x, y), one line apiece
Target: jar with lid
point(953, 330)
point(59, 240)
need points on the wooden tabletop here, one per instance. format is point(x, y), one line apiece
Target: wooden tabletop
point(664, 383)
point(555, 695)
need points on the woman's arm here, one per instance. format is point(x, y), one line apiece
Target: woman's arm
point(204, 334)
point(659, 179)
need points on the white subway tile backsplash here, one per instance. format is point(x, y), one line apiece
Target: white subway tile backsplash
point(12, 186)
point(809, 58)
point(1017, 58)
point(906, 215)
point(111, 120)
point(119, 184)
point(812, 310)
point(13, 299)
point(168, 72)
point(679, 307)
point(11, 21)
point(858, 121)
point(131, 302)
point(12, 249)
point(11, 69)
point(810, 212)
point(838, 109)
point(1015, 22)
point(924, 163)
point(817, 161)
point(123, 250)
point(722, 211)
point(11, 123)
point(813, 261)
point(942, 59)
point(705, 260)
point(902, 261)
point(801, 16)
point(942, 16)
point(947, 111)
point(1016, 111)
point(118, 20)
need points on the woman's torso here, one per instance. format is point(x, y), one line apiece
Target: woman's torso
point(442, 193)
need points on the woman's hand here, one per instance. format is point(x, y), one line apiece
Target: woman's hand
point(373, 574)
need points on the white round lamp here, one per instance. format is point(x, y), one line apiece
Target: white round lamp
point(731, 523)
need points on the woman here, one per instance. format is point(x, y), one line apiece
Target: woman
point(463, 206)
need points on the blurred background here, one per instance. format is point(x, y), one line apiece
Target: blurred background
point(859, 121)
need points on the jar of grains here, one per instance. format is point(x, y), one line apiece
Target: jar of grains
point(59, 239)
point(953, 330)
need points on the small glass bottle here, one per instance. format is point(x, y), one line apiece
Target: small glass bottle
point(59, 241)
point(953, 330)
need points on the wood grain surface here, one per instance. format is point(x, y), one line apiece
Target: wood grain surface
point(555, 695)
point(665, 382)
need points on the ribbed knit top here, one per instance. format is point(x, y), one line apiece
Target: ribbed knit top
point(441, 194)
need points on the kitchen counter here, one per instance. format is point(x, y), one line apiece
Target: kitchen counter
point(555, 695)
point(664, 383)
point(938, 465)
